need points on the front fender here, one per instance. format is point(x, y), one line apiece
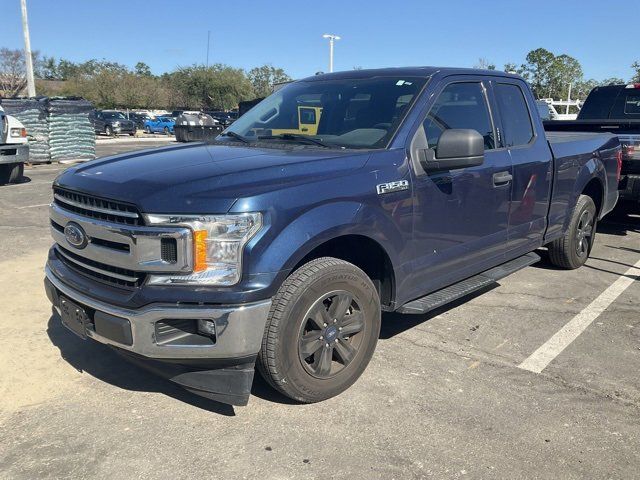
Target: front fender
point(283, 250)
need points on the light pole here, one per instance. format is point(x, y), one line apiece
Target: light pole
point(332, 38)
point(31, 85)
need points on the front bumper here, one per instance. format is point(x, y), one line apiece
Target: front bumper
point(221, 369)
point(14, 153)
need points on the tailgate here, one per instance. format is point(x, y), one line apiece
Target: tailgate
point(630, 153)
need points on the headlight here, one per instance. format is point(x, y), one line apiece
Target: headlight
point(218, 244)
point(18, 132)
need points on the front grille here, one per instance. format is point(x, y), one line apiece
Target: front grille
point(114, 276)
point(98, 208)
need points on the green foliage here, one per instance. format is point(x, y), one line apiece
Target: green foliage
point(636, 68)
point(217, 86)
point(142, 69)
point(265, 77)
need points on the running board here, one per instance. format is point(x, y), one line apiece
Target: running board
point(470, 285)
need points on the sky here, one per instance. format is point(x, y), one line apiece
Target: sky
point(377, 33)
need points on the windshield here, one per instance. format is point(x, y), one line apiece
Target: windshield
point(113, 115)
point(351, 113)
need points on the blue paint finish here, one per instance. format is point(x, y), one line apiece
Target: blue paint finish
point(446, 226)
point(159, 124)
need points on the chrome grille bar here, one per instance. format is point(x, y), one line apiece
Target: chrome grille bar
point(107, 273)
point(88, 206)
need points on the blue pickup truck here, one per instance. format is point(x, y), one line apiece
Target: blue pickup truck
point(272, 248)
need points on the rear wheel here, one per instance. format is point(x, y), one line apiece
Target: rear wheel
point(322, 330)
point(11, 172)
point(166, 130)
point(572, 250)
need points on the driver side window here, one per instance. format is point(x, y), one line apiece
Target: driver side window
point(460, 105)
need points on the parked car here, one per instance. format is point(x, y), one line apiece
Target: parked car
point(139, 119)
point(615, 109)
point(420, 186)
point(159, 125)
point(112, 123)
point(14, 148)
point(224, 118)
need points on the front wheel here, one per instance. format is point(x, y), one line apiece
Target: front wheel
point(147, 129)
point(321, 332)
point(572, 250)
point(108, 130)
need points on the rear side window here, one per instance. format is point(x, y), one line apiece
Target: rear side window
point(599, 103)
point(460, 105)
point(516, 121)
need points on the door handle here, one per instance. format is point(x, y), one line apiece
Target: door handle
point(501, 178)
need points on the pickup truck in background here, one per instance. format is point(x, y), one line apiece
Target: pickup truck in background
point(615, 109)
point(14, 148)
point(281, 250)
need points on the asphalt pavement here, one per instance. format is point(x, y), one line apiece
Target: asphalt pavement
point(447, 395)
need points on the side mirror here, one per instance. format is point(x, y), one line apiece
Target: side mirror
point(457, 148)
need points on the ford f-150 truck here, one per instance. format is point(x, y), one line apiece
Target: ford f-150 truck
point(615, 109)
point(419, 186)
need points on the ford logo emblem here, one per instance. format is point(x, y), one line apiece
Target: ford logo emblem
point(75, 235)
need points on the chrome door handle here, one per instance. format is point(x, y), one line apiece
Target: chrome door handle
point(501, 178)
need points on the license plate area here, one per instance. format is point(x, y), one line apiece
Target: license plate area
point(74, 317)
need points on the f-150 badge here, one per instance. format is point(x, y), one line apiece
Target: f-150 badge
point(392, 187)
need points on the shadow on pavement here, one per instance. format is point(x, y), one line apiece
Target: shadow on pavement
point(101, 362)
point(394, 323)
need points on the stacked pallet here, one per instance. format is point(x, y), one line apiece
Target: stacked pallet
point(71, 132)
point(32, 112)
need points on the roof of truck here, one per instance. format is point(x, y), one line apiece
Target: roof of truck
point(406, 71)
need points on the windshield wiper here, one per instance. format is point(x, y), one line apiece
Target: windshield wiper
point(296, 137)
point(235, 135)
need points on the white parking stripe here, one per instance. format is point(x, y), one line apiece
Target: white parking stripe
point(34, 206)
point(544, 355)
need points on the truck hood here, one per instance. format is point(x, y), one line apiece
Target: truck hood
point(202, 178)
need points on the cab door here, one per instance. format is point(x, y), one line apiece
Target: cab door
point(460, 216)
point(532, 164)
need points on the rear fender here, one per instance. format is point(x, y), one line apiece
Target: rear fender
point(593, 168)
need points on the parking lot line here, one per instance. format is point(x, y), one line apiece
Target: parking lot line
point(544, 355)
point(34, 206)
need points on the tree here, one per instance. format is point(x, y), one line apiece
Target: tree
point(511, 67)
point(636, 76)
point(612, 81)
point(13, 74)
point(484, 64)
point(565, 70)
point(537, 71)
point(217, 86)
point(265, 77)
point(142, 69)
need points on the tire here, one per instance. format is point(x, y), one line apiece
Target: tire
point(339, 351)
point(166, 130)
point(11, 172)
point(108, 131)
point(147, 129)
point(572, 250)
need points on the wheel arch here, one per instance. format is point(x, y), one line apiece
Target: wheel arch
point(366, 254)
